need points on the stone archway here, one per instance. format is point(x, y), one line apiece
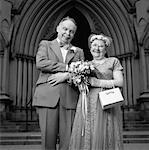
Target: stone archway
point(83, 31)
point(39, 20)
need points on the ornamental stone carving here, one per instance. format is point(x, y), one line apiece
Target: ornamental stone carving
point(142, 17)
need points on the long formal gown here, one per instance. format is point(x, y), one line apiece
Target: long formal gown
point(103, 128)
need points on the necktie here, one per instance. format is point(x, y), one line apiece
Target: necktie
point(61, 44)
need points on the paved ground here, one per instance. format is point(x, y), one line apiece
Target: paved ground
point(38, 147)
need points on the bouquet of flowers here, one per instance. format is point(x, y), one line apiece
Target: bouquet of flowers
point(79, 74)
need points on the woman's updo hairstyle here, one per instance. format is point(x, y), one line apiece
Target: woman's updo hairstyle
point(107, 40)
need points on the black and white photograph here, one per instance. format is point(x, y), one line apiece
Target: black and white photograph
point(74, 74)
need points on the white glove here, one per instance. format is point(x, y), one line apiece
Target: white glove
point(101, 83)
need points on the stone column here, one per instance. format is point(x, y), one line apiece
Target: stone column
point(5, 32)
point(141, 22)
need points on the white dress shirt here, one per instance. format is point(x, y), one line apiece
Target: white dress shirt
point(64, 50)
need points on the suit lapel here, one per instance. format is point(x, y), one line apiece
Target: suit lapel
point(55, 47)
point(70, 55)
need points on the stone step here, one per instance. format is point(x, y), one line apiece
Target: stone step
point(136, 122)
point(22, 127)
point(20, 138)
point(38, 147)
point(136, 137)
point(136, 126)
point(34, 138)
point(129, 122)
point(19, 126)
point(20, 147)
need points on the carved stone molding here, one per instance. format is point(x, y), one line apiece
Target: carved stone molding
point(5, 103)
point(97, 27)
point(142, 18)
point(50, 31)
point(129, 5)
point(25, 57)
point(17, 5)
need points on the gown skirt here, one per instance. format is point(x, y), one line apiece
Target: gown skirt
point(101, 130)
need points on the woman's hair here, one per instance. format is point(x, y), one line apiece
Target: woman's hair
point(107, 40)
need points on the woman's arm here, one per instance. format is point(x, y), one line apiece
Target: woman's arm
point(116, 81)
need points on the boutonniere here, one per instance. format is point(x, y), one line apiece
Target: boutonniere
point(73, 48)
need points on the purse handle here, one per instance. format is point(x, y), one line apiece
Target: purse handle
point(113, 86)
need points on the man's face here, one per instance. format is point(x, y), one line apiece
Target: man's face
point(66, 31)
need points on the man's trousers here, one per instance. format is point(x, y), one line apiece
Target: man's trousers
point(55, 122)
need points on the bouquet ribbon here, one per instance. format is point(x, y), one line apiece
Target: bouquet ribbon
point(84, 91)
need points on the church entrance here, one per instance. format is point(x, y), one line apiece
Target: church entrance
point(23, 112)
point(83, 31)
point(38, 20)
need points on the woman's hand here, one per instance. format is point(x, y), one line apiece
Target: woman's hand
point(93, 81)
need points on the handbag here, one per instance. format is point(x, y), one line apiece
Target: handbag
point(110, 98)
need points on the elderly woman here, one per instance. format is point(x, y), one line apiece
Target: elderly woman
point(103, 128)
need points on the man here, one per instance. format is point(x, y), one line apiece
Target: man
point(54, 97)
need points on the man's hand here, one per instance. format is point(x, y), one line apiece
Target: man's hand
point(58, 78)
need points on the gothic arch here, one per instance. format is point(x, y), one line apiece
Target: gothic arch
point(105, 16)
point(39, 18)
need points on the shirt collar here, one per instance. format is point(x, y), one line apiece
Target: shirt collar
point(58, 40)
point(73, 48)
point(61, 44)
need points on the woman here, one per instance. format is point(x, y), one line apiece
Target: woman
point(103, 128)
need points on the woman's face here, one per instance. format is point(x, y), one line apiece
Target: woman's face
point(98, 49)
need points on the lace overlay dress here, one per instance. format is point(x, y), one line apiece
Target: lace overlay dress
point(103, 128)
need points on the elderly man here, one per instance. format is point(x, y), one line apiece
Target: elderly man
point(54, 98)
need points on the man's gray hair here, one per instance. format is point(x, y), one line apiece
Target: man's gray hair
point(68, 18)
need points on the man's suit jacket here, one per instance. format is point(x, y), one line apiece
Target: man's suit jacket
point(49, 61)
